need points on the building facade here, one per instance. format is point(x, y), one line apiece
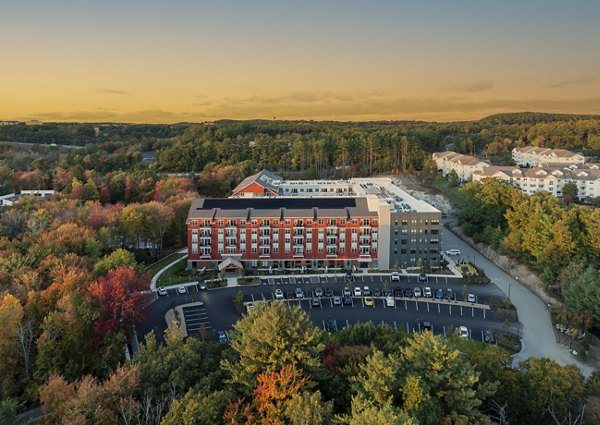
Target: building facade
point(463, 165)
point(549, 179)
point(531, 156)
point(368, 223)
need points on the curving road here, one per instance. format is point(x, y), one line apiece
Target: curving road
point(539, 339)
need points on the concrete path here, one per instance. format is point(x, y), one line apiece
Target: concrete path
point(539, 339)
point(161, 271)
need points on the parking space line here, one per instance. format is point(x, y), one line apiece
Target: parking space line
point(461, 310)
point(395, 326)
point(252, 295)
point(406, 305)
point(417, 305)
point(472, 312)
point(347, 323)
point(444, 330)
point(427, 307)
point(438, 307)
point(407, 328)
point(483, 314)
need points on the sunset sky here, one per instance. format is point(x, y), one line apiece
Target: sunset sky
point(190, 60)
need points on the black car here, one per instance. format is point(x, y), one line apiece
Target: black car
point(439, 294)
point(290, 294)
point(426, 326)
point(331, 325)
point(388, 293)
point(398, 292)
point(489, 337)
point(349, 277)
point(347, 300)
point(328, 292)
point(377, 292)
point(423, 277)
point(316, 302)
point(408, 292)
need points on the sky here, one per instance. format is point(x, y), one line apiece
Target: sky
point(192, 60)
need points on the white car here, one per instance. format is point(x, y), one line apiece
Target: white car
point(463, 331)
point(471, 298)
point(278, 294)
point(357, 291)
point(417, 292)
point(390, 302)
point(453, 251)
point(366, 291)
point(161, 292)
point(395, 277)
point(427, 292)
point(182, 290)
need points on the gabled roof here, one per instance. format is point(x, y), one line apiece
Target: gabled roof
point(263, 178)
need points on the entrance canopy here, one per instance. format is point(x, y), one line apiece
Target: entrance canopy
point(230, 264)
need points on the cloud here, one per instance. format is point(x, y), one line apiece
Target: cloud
point(476, 87)
point(572, 82)
point(113, 91)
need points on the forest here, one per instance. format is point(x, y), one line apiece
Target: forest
point(73, 281)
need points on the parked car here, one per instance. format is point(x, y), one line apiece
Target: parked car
point(449, 294)
point(161, 292)
point(328, 292)
point(346, 292)
point(337, 300)
point(417, 292)
point(377, 292)
point(366, 291)
point(222, 336)
point(369, 302)
point(453, 251)
point(347, 301)
point(349, 277)
point(299, 293)
point(388, 293)
point(315, 302)
point(427, 292)
point(278, 294)
point(423, 277)
point(318, 292)
point(357, 291)
point(331, 325)
point(290, 294)
point(439, 294)
point(398, 292)
point(395, 277)
point(471, 298)
point(182, 290)
point(390, 302)
point(408, 293)
point(463, 331)
point(202, 285)
point(426, 326)
point(489, 336)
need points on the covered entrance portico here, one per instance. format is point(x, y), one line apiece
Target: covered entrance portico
point(230, 267)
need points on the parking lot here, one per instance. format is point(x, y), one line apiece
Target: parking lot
point(196, 318)
point(442, 316)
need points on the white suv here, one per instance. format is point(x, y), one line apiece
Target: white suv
point(395, 277)
point(453, 251)
point(278, 294)
point(357, 291)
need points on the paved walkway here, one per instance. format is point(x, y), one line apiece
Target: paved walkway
point(161, 271)
point(539, 339)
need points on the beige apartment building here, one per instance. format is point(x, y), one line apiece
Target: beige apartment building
point(463, 165)
point(530, 156)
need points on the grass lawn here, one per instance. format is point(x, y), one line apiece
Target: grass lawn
point(178, 274)
point(451, 192)
point(154, 268)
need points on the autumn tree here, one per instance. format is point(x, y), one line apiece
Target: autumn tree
point(118, 258)
point(11, 313)
point(270, 337)
point(120, 300)
point(584, 293)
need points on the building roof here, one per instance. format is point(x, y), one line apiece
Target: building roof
point(458, 158)
point(263, 178)
point(559, 153)
point(248, 208)
point(563, 172)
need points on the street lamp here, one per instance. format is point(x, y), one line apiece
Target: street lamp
point(509, 285)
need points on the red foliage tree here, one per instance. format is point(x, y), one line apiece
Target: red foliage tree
point(120, 300)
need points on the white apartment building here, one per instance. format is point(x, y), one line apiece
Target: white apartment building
point(530, 156)
point(550, 179)
point(463, 165)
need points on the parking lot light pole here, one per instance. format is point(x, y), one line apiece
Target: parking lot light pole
point(509, 285)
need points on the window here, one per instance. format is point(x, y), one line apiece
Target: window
point(194, 222)
point(219, 222)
